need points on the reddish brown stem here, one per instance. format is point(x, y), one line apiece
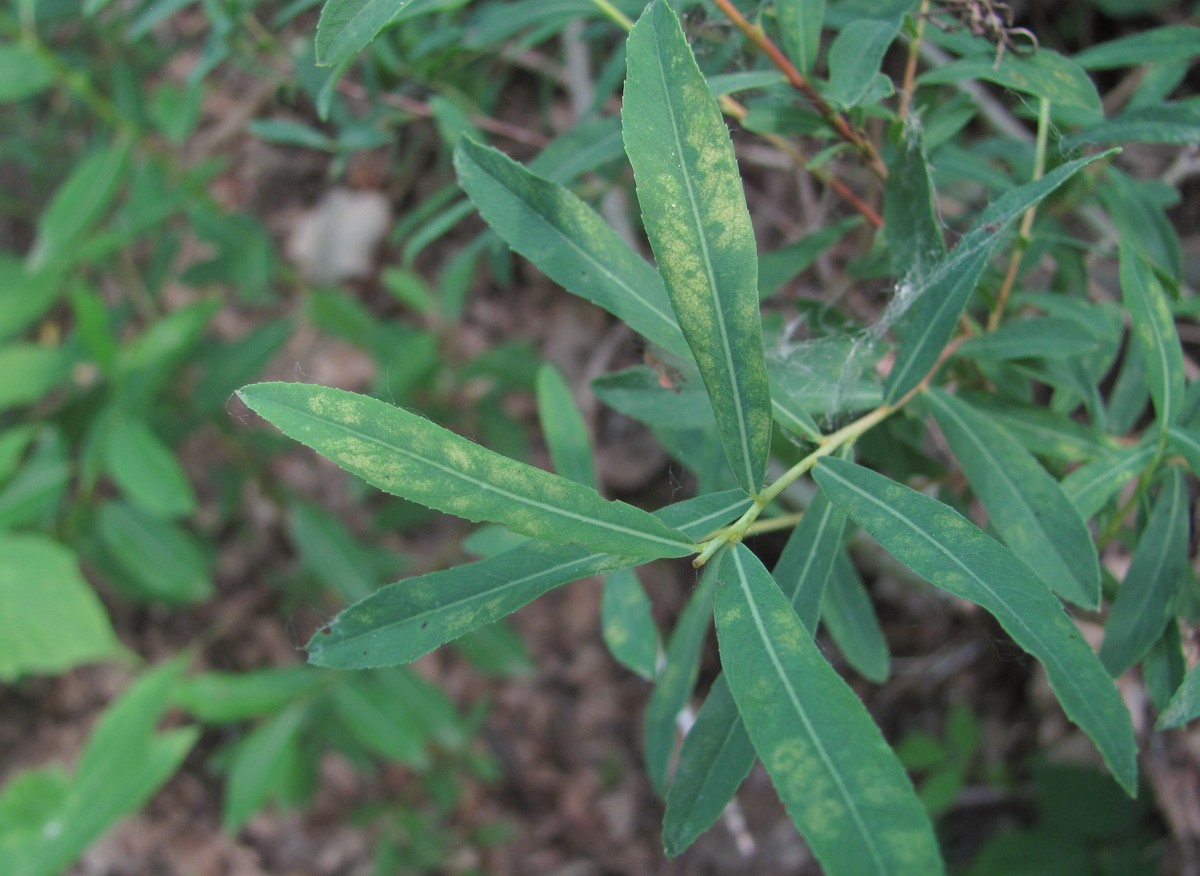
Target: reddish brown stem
point(798, 81)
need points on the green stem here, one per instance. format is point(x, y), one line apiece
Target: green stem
point(1014, 264)
point(829, 444)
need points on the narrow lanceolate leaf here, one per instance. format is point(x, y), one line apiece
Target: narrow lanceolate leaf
point(568, 241)
point(1187, 443)
point(1157, 575)
point(715, 758)
point(800, 25)
point(408, 619)
point(677, 679)
point(850, 618)
point(1154, 331)
point(806, 563)
point(1026, 506)
point(627, 623)
point(914, 230)
point(1090, 486)
point(836, 775)
point(1045, 337)
point(347, 27)
point(952, 553)
point(695, 215)
point(943, 295)
point(407, 455)
point(1185, 703)
point(562, 424)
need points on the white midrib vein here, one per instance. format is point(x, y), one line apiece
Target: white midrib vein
point(867, 838)
point(735, 390)
point(488, 487)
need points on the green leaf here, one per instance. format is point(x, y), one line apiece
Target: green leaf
point(1043, 337)
point(1090, 486)
point(1159, 45)
point(628, 624)
point(380, 721)
point(800, 25)
point(932, 320)
point(914, 230)
point(836, 775)
point(122, 765)
point(806, 562)
point(162, 562)
point(568, 241)
point(23, 72)
point(330, 552)
point(146, 469)
point(53, 618)
point(347, 27)
point(77, 205)
point(409, 456)
point(677, 679)
point(950, 552)
point(1184, 705)
point(405, 620)
point(30, 371)
point(1045, 73)
point(224, 697)
point(1155, 334)
point(715, 758)
point(566, 432)
point(1187, 443)
point(259, 765)
point(849, 617)
point(695, 215)
point(1174, 122)
point(855, 57)
point(1025, 505)
point(1155, 579)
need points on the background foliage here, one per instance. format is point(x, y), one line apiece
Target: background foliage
point(938, 271)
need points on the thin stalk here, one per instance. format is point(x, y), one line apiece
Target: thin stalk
point(829, 444)
point(614, 13)
point(910, 65)
point(1022, 244)
point(798, 81)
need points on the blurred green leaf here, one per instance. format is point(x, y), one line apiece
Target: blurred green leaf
point(54, 620)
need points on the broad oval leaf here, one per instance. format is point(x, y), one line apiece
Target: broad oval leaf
point(1025, 505)
point(408, 619)
point(836, 775)
point(1156, 577)
point(568, 241)
point(949, 551)
point(855, 58)
point(942, 297)
point(409, 456)
point(695, 215)
point(1154, 331)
